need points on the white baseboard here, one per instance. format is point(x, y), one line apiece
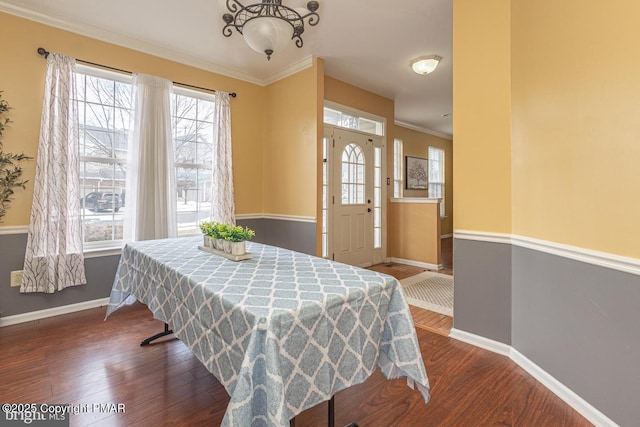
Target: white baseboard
point(482, 342)
point(416, 263)
point(583, 407)
point(50, 312)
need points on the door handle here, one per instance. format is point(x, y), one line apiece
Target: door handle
point(368, 209)
point(369, 201)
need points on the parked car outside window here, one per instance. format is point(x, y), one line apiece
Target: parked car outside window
point(98, 201)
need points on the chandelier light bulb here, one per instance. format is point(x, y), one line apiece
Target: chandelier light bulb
point(267, 34)
point(269, 26)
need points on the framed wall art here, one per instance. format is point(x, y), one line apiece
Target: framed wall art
point(417, 176)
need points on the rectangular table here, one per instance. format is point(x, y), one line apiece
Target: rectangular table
point(282, 331)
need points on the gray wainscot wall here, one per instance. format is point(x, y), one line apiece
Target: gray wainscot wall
point(482, 294)
point(575, 320)
point(100, 271)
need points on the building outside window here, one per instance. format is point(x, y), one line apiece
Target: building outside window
point(104, 109)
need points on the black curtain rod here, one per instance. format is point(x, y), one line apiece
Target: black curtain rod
point(42, 51)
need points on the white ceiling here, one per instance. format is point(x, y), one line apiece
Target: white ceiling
point(367, 43)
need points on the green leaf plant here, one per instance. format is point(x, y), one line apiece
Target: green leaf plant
point(10, 170)
point(232, 233)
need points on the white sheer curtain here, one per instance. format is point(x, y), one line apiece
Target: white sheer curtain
point(151, 196)
point(54, 258)
point(222, 201)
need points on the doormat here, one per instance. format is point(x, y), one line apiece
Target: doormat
point(431, 291)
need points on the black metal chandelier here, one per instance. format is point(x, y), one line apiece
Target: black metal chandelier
point(267, 27)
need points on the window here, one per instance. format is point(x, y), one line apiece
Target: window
point(193, 139)
point(377, 197)
point(325, 199)
point(352, 175)
point(397, 168)
point(436, 176)
point(104, 108)
point(352, 121)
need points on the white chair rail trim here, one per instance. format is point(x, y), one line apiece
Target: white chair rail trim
point(309, 219)
point(14, 229)
point(24, 229)
point(602, 259)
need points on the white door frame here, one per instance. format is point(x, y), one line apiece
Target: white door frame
point(329, 137)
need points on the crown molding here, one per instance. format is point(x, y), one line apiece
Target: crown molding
point(423, 130)
point(130, 43)
point(292, 69)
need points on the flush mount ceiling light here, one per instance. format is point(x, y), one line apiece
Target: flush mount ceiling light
point(425, 64)
point(267, 27)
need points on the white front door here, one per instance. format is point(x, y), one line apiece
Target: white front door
point(356, 198)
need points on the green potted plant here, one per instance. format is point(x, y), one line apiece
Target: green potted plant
point(220, 231)
point(208, 229)
point(237, 236)
point(10, 171)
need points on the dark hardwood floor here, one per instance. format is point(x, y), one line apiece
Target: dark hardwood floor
point(425, 319)
point(79, 358)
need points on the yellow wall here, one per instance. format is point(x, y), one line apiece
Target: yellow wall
point(576, 123)
point(360, 99)
point(291, 144)
point(22, 80)
point(415, 232)
point(417, 144)
point(351, 96)
point(481, 115)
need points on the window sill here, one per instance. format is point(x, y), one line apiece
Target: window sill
point(103, 251)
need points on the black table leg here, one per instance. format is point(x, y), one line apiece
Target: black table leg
point(330, 419)
point(166, 332)
point(332, 414)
